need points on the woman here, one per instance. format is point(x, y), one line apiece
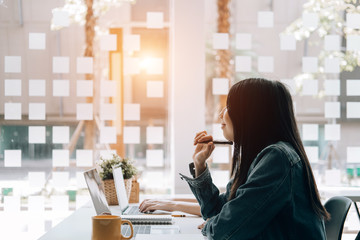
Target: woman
point(185, 205)
point(272, 193)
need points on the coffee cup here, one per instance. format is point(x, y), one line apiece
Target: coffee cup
point(109, 227)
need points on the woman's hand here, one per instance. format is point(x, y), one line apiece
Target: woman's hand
point(150, 205)
point(203, 150)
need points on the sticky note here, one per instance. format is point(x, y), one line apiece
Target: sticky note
point(37, 134)
point(353, 109)
point(81, 200)
point(37, 111)
point(243, 64)
point(287, 42)
point(36, 204)
point(151, 179)
point(332, 87)
point(132, 135)
point(265, 19)
point(332, 132)
point(60, 18)
point(290, 85)
point(155, 20)
point(332, 177)
point(353, 154)
point(353, 43)
point(108, 88)
point(310, 87)
point(131, 66)
point(60, 203)
point(310, 132)
point(84, 65)
point(221, 155)
point(312, 153)
point(220, 177)
point(84, 88)
point(36, 179)
point(108, 42)
point(154, 157)
point(12, 87)
point(220, 41)
point(265, 64)
point(60, 134)
point(353, 20)
point(84, 158)
point(61, 64)
point(353, 87)
point(37, 88)
point(12, 111)
point(155, 89)
point(12, 158)
point(108, 135)
point(155, 66)
point(332, 65)
point(12, 64)
point(243, 41)
point(154, 135)
point(60, 179)
point(220, 86)
point(60, 158)
point(84, 111)
point(131, 112)
point(310, 20)
point(80, 180)
point(61, 88)
point(107, 154)
point(131, 42)
point(108, 111)
point(309, 64)
point(11, 204)
point(332, 42)
point(37, 41)
point(332, 109)
point(217, 132)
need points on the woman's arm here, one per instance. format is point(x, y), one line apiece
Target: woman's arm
point(169, 205)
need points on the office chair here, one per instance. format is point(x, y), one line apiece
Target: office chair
point(338, 208)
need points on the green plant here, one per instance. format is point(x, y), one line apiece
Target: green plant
point(106, 165)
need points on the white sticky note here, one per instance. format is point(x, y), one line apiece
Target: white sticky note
point(60, 134)
point(332, 42)
point(37, 111)
point(155, 66)
point(220, 41)
point(154, 157)
point(312, 153)
point(265, 19)
point(84, 88)
point(243, 41)
point(353, 87)
point(220, 86)
point(332, 132)
point(108, 135)
point(36, 179)
point(12, 158)
point(37, 88)
point(353, 20)
point(84, 111)
point(310, 132)
point(12, 87)
point(154, 135)
point(37, 134)
point(332, 177)
point(132, 66)
point(220, 178)
point(60, 179)
point(243, 64)
point(150, 179)
point(155, 20)
point(12, 64)
point(132, 135)
point(81, 200)
point(60, 158)
point(332, 109)
point(290, 85)
point(107, 154)
point(61, 18)
point(61, 64)
point(353, 43)
point(108, 42)
point(310, 87)
point(353, 109)
point(265, 64)
point(310, 20)
point(309, 64)
point(60, 203)
point(131, 112)
point(11, 204)
point(131, 42)
point(84, 65)
point(61, 88)
point(108, 111)
point(36, 204)
point(353, 154)
point(80, 180)
point(332, 87)
point(287, 42)
point(217, 132)
point(108, 88)
point(155, 89)
point(332, 65)
point(84, 158)
point(12, 111)
point(221, 155)
point(37, 41)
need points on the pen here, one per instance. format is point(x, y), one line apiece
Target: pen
point(219, 142)
point(178, 215)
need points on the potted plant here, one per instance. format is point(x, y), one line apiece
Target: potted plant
point(106, 174)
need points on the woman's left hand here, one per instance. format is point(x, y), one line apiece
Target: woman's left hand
point(150, 205)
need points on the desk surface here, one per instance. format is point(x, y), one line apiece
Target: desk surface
point(79, 226)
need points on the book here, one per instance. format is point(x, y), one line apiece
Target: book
point(149, 219)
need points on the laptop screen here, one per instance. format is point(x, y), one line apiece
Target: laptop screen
point(120, 188)
point(96, 190)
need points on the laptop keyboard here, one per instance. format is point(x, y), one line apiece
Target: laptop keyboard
point(141, 229)
point(133, 210)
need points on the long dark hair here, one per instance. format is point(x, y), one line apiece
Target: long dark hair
point(262, 113)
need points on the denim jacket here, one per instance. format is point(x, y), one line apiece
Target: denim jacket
point(272, 204)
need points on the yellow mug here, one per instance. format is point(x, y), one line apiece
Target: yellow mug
point(109, 227)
